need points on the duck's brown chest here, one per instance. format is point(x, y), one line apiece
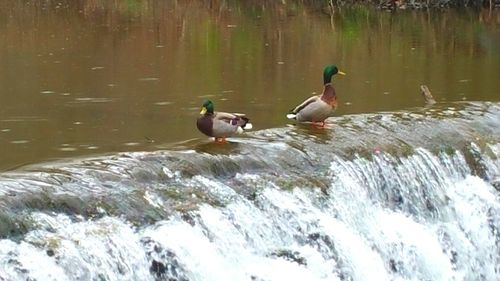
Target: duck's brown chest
point(329, 96)
point(205, 125)
point(330, 100)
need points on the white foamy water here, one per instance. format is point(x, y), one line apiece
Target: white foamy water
point(243, 241)
point(418, 217)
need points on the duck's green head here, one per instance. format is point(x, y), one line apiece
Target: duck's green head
point(329, 71)
point(208, 106)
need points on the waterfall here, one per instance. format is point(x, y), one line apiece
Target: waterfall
point(386, 196)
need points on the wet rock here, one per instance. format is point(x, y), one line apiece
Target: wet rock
point(165, 265)
point(189, 218)
point(496, 183)
point(313, 236)
point(392, 195)
point(256, 278)
point(321, 241)
point(454, 257)
point(252, 196)
point(50, 253)
point(326, 246)
point(392, 265)
point(448, 248)
point(491, 219)
point(395, 266)
point(158, 268)
point(398, 199)
point(429, 205)
point(289, 255)
point(474, 158)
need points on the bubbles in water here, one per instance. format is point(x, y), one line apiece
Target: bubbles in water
point(20, 141)
point(162, 103)
point(68, 149)
point(146, 79)
point(91, 100)
point(132, 144)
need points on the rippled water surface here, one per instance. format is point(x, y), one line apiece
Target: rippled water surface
point(86, 77)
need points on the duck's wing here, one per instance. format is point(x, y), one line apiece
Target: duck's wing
point(304, 104)
point(234, 119)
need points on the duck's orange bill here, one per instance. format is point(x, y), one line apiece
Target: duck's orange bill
point(341, 73)
point(203, 110)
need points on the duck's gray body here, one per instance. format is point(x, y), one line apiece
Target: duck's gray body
point(316, 108)
point(222, 124)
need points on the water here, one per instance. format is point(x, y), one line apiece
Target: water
point(104, 176)
point(93, 77)
point(374, 196)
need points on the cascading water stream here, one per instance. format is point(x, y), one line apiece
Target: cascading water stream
point(388, 196)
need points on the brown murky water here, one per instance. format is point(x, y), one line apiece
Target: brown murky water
point(85, 77)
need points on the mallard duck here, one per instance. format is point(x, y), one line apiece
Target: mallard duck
point(221, 125)
point(317, 108)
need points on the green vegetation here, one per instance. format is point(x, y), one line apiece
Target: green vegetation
point(418, 4)
point(137, 7)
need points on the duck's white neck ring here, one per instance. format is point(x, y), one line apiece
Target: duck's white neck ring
point(328, 84)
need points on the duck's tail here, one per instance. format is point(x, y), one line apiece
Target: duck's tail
point(247, 126)
point(292, 116)
point(243, 124)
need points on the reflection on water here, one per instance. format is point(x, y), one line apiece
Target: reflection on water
point(81, 77)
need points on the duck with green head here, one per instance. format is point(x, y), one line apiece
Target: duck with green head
point(221, 125)
point(317, 108)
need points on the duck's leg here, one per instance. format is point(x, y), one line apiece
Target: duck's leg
point(320, 124)
point(220, 140)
